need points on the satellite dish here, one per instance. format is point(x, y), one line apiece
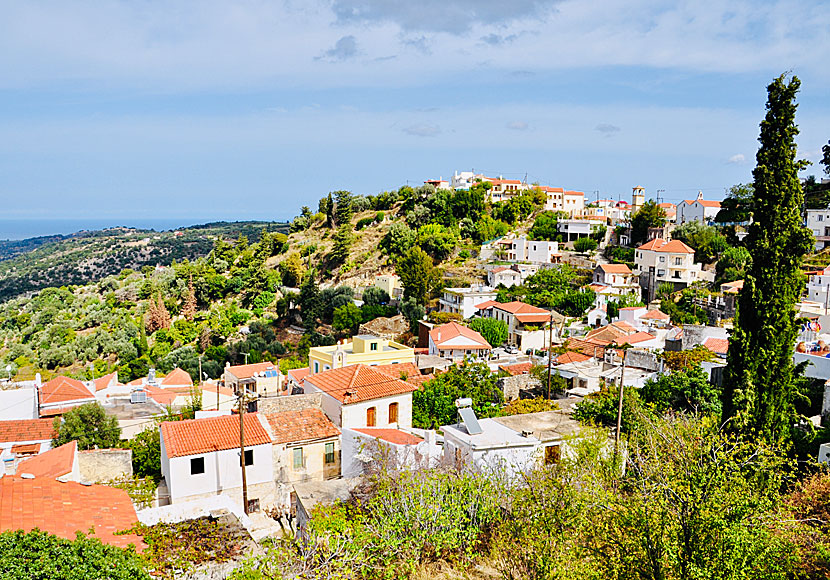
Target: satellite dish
point(8, 368)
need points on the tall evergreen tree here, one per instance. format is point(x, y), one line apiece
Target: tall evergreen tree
point(189, 306)
point(310, 304)
point(760, 379)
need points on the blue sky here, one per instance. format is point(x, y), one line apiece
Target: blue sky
point(247, 110)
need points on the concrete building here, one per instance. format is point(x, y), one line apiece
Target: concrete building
point(573, 229)
point(697, 210)
point(200, 458)
point(363, 349)
point(463, 301)
point(536, 251)
point(61, 394)
point(818, 222)
point(391, 284)
point(306, 445)
point(23, 438)
point(399, 449)
point(617, 276)
point(526, 324)
point(660, 261)
point(260, 378)
point(456, 342)
point(818, 286)
point(363, 396)
point(505, 276)
point(553, 429)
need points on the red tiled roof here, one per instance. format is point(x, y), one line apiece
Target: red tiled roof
point(356, 383)
point(63, 509)
point(161, 396)
point(571, 357)
point(57, 411)
point(248, 371)
point(26, 448)
point(615, 268)
point(398, 370)
point(53, 463)
point(635, 338)
point(676, 247)
point(517, 307)
point(304, 425)
point(196, 436)
point(574, 193)
point(707, 203)
point(26, 430)
point(177, 377)
point(487, 304)
point(299, 374)
point(666, 205)
point(587, 347)
point(652, 244)
point(63, 389)
point(517, 369)
point(597, 287)
point(447, 332)
point(717, 345)
point(395, 436)
point(103, 382)
point(655, 315)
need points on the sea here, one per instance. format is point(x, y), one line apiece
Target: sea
point(21, 229)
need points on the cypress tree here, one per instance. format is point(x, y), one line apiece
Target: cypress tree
point(760, 380)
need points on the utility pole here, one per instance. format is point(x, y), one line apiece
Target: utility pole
point(619, 408)
point(245, 354)
point(550, 348)
point(242, 449)
point(200, 369)
point(660, 197)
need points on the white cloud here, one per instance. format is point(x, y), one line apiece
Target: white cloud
point(737, 159)
point(422, 130)
point(607, 129)
point(518, 126)
point(345, 48)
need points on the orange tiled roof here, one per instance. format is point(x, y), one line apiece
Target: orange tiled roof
point(676, 247)
point(63, 509)
point(397, 371)
point(717, 345)
point(26, 448)
point(517, 369)
point(196, 436)
point(447, 332)
point(571, 357)
point(356, 383)
point(103, 382)
point(518, 307)
point(615, 268)
point(63, 389)
point(299, 375)
point(53, 463)
point(57, 411)
point(304, 425)
point(708, 203)
point(488, 303)
point(655, 315)
point(395, 436)
point(161, 396)
point(177, 377)
point(574, 193)
point(248, 371)
point(653, 244)
point(26, 430)
point(635, 338)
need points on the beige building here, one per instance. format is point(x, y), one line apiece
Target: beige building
point(306, 446)
point(363, 349)
point(390, 283)
point(261, 378)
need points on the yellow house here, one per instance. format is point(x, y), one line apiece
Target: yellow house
point(390, 283)
point(363, 349)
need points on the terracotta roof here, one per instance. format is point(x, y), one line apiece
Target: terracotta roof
point(395, 436)
point(57, 411)
point(552, 189)
point(53, 463)
point(26, 448)
point(717, 345)
point(635, 338)
point(487, 304)
point(177, 377)
point(653, 244)
point(708, 203)
point(26, 430)
point(574, 193)
point(611, 332)
point(666, 205)
point(299, 374)
point(517, 307)
point(587, 347)
point(676, 247)
point(655, 315)
point(136, 382)
point(161, 396)
point(63, 509)
point(356, 383)
point(196, 436)
point(571, 357)
point(598, 287)
point(63, 389)
point(304, 425)
point(517, 369)
point(248, 371)
point(411, 370)
point(733, 287)
point(103, 382)
point(615, 268)
point(451, 330)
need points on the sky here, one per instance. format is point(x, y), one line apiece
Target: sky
point(247, 110)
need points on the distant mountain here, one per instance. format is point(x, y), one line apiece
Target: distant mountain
point(36, 263)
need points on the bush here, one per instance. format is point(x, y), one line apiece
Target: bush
point(585, 245)
point(492, 330)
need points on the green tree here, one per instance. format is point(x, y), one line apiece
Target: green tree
point(585, 245)
point(732, 264)
point(434, 404)
point(343, 240)
point(760, 378)
point(705, 240)
point(650, 215)
point(38, 555)
point(546, 226)
point(90, 426)
point(146, 449)
point(736, 207)
point(343, 201)
point(347, 317)
point(398, 240)
point(577, 302)
point(292, 269)
point(548, 287)
point(310, 304)
point(492, 330)
point(413, 312)
point(419, 277)
point(374, 296)
point(687, 390)
point(486, 229)
point(437, 241)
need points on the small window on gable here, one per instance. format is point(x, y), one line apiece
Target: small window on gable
point(249, 457)
point(374, 346)
point(197, 465)
point(330, 452)
point(316, 367)
point(298, 458)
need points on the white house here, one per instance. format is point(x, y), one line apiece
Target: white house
point(23, 438)
point(526, 324)
point(818, 222)
point(818, 286)
point(697, 210)
point(463, 301)
point(464, 179)
point(262, 378)
point(617, 276)
point(200, 458)
point(538, 251)
point(454, 341)
point(660, 261)
point(489, 447)
point(363, 396)
point(401, 449)
point(505, 276)
point(19, 403)
point(573, 229)
point(61, 394)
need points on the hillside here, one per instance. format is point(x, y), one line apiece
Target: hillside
point(36, 263)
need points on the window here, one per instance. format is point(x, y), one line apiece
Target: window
point(197, 465)
point(661, 273)
point(330, 453)
point(316, 367)
point(393, 412)
point(374, 346)
point(662, 258)
point(678, 261)
point(820, 217)
point(370, 417)
point(298, 458)
point(249, 457)
point(253, 505)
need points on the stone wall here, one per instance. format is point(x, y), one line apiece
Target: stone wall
point(512, 386)
point(642, 359)
point(290, 403)
point(98, 465)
